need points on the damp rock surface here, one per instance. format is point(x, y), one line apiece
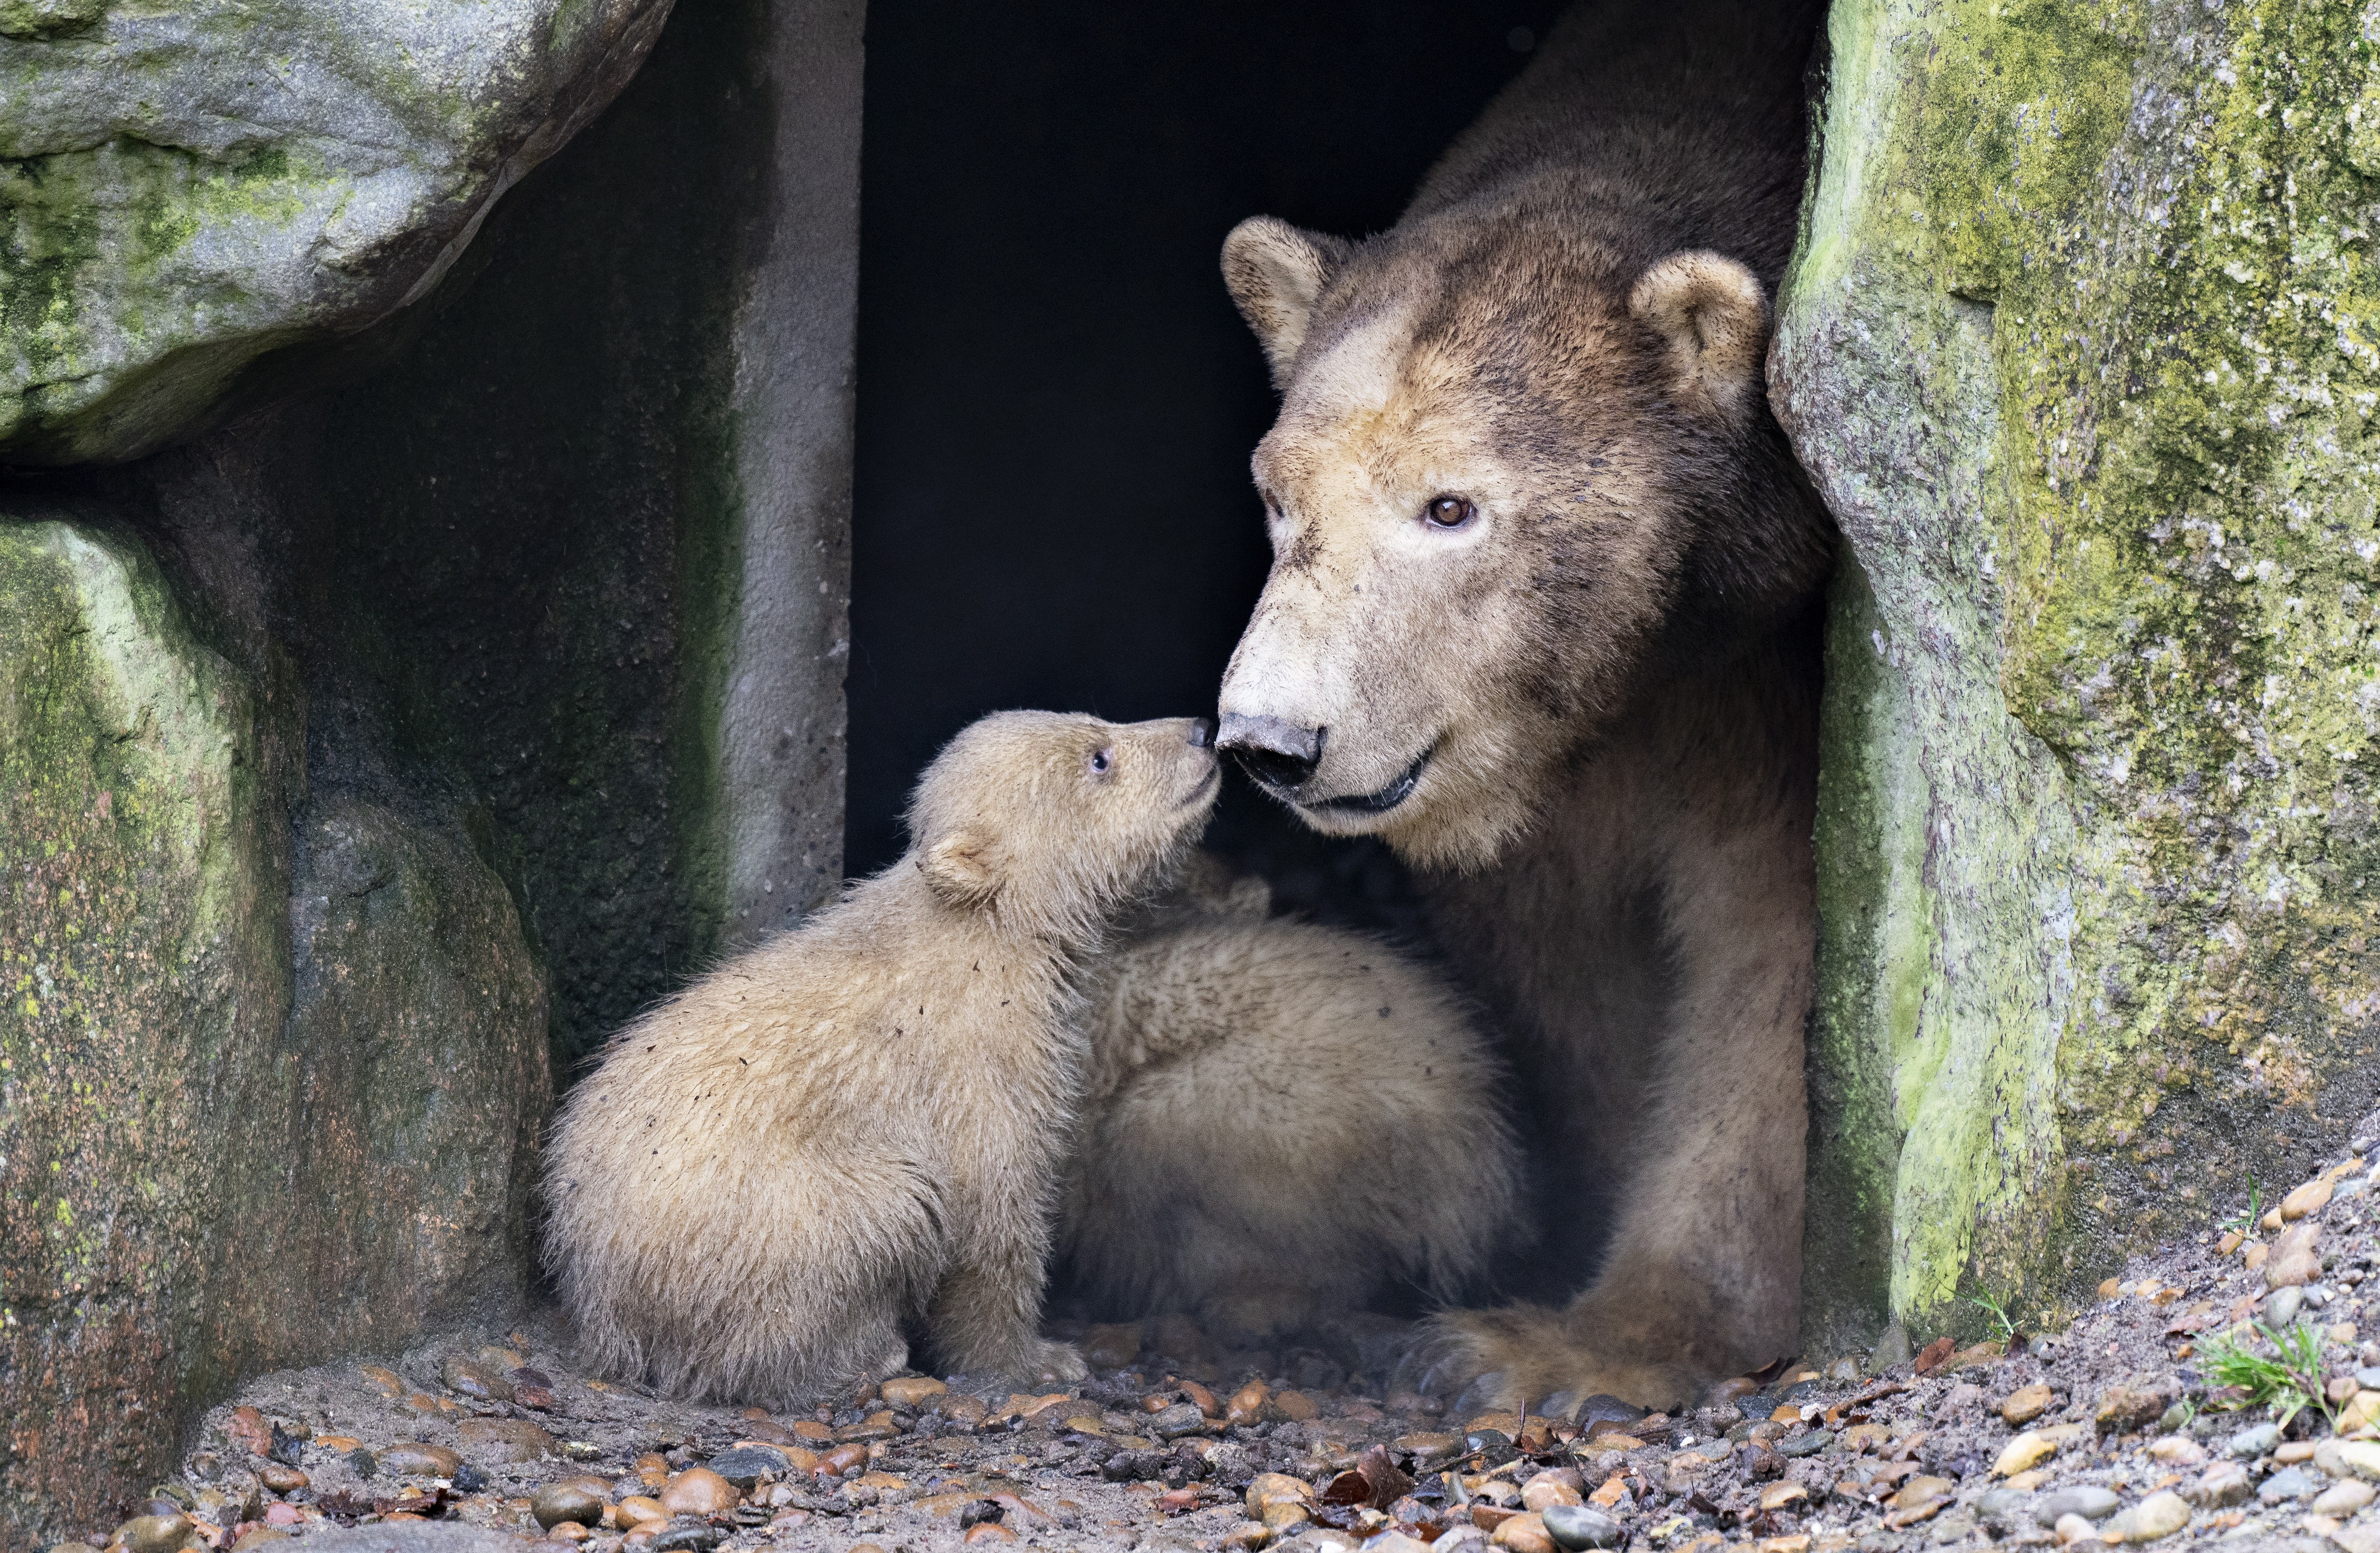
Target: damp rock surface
point(184, 188)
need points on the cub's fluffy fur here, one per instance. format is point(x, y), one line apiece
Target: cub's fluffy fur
point(1357, 1144)
point(859, 1121)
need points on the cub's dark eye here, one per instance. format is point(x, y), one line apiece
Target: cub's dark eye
point(1448, 512)
point(1100, 760)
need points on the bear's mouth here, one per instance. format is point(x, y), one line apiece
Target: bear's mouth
point(1382, 801)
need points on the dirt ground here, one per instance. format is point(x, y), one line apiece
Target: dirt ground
point(2123, 1426)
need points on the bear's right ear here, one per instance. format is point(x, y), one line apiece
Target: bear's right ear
point(960, 870)
point(1275, 273)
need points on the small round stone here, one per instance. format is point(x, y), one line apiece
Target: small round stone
point(470, 1378)
point(700, 1491)
point(153, 1533)
point(1581, 1526)
point(409, 1458)
point(559, 1502)
point(282, 1479)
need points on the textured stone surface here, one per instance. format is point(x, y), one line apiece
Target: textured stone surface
point(215, 1159)
point(184, 188)
point(2081, 350)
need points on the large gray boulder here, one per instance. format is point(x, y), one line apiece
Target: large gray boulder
point(184, 188)
point(2079, 349)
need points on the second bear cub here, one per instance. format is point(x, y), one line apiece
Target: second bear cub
point(861, 1121)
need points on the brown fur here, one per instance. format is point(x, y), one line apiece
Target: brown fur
point(1602, 684)
point(1358, 1145)
point(860, 1122)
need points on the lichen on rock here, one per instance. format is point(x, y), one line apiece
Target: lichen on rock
point(184, 189)
point(215, 1157)
point(2082, 348)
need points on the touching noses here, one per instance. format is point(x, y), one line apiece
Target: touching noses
point(1275, 752)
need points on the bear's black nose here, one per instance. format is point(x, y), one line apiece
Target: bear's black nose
point(1276, 753)
point(1202, 733)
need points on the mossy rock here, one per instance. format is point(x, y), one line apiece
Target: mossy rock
point(2082, 345)
point(184, 190)
point(216, 1157)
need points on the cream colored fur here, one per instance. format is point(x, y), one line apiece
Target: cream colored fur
point(1281, 1121)
point(858, 1123)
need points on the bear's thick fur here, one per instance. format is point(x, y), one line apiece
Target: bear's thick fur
point(861, 1121)
point(1363, 1147)
point(1542, 614)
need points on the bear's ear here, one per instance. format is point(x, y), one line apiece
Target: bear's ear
point(1275, 273)
point(961, 870)
point(1714, 317)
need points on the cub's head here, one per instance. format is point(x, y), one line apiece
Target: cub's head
point(1513, 468)
point(1050, 820)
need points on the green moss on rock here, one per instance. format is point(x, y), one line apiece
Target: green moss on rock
point(2080, 349)
point(216, 1157)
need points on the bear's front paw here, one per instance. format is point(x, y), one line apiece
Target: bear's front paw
point(1052, 1363)
point(1546, 1359)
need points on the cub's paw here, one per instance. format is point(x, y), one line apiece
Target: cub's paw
point(1495, 1360)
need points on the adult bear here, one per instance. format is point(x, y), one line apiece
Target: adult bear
point(1543, 615)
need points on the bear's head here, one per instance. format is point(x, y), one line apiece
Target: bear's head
point(1517, 477)
point(1049, 821)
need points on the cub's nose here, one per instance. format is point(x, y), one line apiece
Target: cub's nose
point(1202, 733)
point(1276, 753)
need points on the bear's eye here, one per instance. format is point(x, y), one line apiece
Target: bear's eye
point(1100, 760)
point(1448, 512)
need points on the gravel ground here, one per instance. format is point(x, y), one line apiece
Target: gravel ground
point(2117, 1429)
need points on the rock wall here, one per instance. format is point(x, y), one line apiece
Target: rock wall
point(2082, 346)
point(367, 757)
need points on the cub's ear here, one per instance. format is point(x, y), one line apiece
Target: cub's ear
point(961, 870)
point(1714, 317)
point(1275, 273)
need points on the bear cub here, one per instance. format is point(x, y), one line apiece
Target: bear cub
point(861, 1122)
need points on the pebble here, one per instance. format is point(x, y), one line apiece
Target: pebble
point(2159, 1515)
point(153, 1533)
point(470, 1378)
point(745, 1466)
point(2361, 1457)
point(2281, 1306)
point(503, 1442)
point(843, 1460)
point(2135, 1403)
point(2344, 1498)
point(911, 1391)
point(2091, 1503)
point(1923, 1490)
point(1180, 1419)
point(2253, 1442)
point(2031, 1446)
point(282, 1479)
point(2026, 1403)
point(2288, 1483)
point(637, 1509)
point(1247, 1404)
point(2225, 1482)
point(1523, 1533)
point(412, 1459)
point(2296, 1259)
point(2313, 1197)
point(700, 1491)
point(1577, 1527)
point(559, 1502)
point(1293, 1407)
point(1808, 1444)
point(1547, 1489)
point(2074, 1529)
